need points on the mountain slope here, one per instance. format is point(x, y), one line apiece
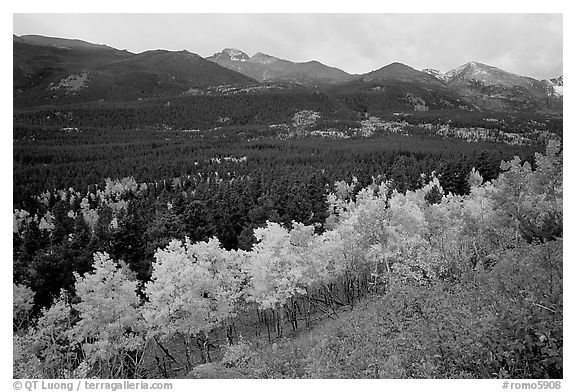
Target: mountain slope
point(62, 43)
point(487, 75)
point(402, 73)
point(398, 87)
point(489, 87)
point(39, 68)
point(436, 73)
point(556, 86)
point(52, 71)
point(266, 68)
point(53, 74)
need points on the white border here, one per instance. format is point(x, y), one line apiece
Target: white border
point(297, 6)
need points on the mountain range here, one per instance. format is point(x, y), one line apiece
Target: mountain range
point(69, 71)
point(489, 87)
point(48, 71)
point(265, 68)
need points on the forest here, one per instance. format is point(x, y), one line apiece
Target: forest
point(236, 233)
point(442, 285)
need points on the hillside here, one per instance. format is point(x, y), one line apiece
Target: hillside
point(61, 43)
point(266, 68)
point(438, 285)
point(402, 73)
point(48, 73)
point(491, 88)
point(398, 88)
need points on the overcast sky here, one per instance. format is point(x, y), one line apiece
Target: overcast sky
point(526, 44)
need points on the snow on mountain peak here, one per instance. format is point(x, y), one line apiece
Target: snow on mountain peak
point(457, 70)
point(559, 90)
point(437, 74)
point(556, 86)
point(235, 54)
point(559, 81)
point(487, 75)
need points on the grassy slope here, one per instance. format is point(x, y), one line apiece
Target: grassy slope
point(475, 327)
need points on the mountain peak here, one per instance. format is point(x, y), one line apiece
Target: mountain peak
point(397, 64)
point(266, 68)
point(436, 73)
point(479, 65)
point(559, 81)
point(487, 75)
point(235, 54)
point(263, 58)
point(556, 86)
point(397, 67)
point(401, 72)
point(61, 43)
point(229, 54)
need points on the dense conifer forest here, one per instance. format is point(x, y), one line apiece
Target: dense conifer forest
point(154, 235)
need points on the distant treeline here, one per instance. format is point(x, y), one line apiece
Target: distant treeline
point(209, 111)
point(47, 159)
